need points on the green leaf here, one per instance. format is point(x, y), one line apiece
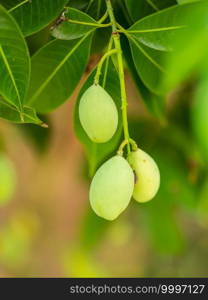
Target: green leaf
point(14, 61)
point(158, 31)
point(146, 7)
point(100, 40)
point(186, 1)
point(10, 113)
point(79, 4)
point(68, 30)
point(153, 37)
point(56, 71)
point(96, 8)
point(33, 15)
point(191, 47)
point(140, 10)
point(97, 153)
point(199, 115)
point(149, 65)
point(9, 3)
point(154, 103)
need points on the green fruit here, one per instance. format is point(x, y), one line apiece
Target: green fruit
point(147, 175)
point(98, 114)
point(112, 188)
point(7, 180)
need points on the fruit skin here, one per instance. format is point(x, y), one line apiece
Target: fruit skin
point(112, 188)
point(147, 175)
point(98, 114)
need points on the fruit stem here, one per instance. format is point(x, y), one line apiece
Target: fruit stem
point(116, 38)
point(103, 18)
point(126, 142)
point(110, 44)
point(100, 64)
point(133, 145)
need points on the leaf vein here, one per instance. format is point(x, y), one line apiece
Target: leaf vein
point(10, 74)
point(45, 83)
point(157, 29)
point(148, 56)
point(18, 5)
point(152, 5)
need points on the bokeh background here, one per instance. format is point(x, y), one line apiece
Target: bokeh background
point(47, 227)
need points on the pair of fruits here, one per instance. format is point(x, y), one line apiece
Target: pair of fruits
point(118, 179)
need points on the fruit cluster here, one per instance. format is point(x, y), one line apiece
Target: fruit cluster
point(118, 179)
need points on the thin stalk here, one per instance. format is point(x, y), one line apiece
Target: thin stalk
point(110, 44)
point(125, 12)
point(103, 18)
point(111, 15)
point(100, 64)
point(116, 38)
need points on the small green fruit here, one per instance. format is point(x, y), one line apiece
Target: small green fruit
point(147, 175)
point(98, 114)
point(112, 188)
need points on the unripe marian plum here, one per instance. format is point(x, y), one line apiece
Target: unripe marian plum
point(147, 175)
point(98, 114)
point(112, 188)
